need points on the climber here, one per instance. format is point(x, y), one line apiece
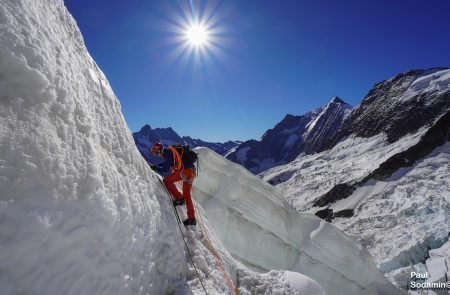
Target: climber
point(180, 161)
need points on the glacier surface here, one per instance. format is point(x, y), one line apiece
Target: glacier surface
point(259, 227)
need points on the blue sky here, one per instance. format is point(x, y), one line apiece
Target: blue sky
point(271, 57)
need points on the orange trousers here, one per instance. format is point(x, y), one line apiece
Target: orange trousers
point(187, 176)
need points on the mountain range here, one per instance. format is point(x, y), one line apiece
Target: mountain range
point(293, 136)
point(167, 136)
point(383, 177)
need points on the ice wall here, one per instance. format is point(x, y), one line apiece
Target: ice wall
point(80, 212)
point(257, 225)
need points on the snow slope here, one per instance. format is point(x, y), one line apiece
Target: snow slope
point(308, 177)
point(80, 211)
point(436, 80)
point(258, 226)
point(401, 218)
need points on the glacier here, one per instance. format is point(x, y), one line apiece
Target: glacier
point(259, 227)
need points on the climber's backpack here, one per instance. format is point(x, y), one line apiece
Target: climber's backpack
point(188, 156)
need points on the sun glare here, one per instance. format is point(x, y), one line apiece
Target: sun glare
point(197, 35)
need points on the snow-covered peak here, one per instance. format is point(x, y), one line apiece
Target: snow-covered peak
point(437, 80)
point(291, 137)
point(399, 106)
point(337, 99)
point(324, 126)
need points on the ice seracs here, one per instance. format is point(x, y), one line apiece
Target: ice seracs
point(257, 225)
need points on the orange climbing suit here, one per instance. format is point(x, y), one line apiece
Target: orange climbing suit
point(186, 175)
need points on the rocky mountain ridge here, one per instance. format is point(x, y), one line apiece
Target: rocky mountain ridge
point(292, 136)
point(167, 136)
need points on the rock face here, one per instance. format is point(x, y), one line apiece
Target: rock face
point(291, 137)
point(436, 136)
point(399, 106)
point(325, 126)
point(147, 136)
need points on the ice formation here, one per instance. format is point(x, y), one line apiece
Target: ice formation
point(257, 225)
point(80, 211)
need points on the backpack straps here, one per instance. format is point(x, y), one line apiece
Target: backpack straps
point(177, 159)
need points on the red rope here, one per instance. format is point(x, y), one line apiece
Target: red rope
point(214, 253)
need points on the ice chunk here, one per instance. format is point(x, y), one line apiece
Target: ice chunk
point(257, 225)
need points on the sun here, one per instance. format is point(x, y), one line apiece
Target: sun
point(197, 35)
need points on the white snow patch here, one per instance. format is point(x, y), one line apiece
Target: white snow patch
point(405, 215)
point(439, 262)
point(302, 284)
point(241, 155)
point(436, 81)
point(292, 139)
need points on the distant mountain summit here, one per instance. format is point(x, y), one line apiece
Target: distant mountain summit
point(291, 137)
point(399, 106)
point(167, 136)
point(325, 125)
